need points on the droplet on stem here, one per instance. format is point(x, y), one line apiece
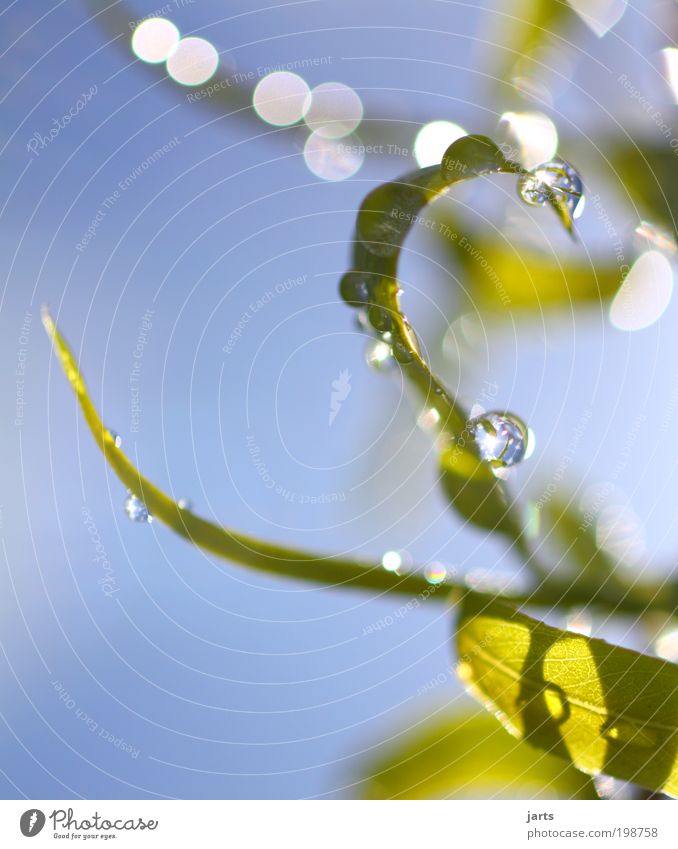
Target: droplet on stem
point(117, 439)
point(136, 509)
point(501, 438)
point(354, 289)
point(378, 355)
point(558, 177)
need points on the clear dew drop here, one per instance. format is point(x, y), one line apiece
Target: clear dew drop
point(378, 355)
point(556, 176)
point(379, 318)
point(185, 504)
point(136, 509)
point(428, 420)
point(354, 289)
point(502, 439)
point(117, 439)
point(402, 353)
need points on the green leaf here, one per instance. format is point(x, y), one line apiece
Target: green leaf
point(475, 492)
point(283, 561)
point(468, 756)
point(603, 708)
point(499, 278)
point(592, 567)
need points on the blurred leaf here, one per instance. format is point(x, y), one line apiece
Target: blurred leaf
point(500, 277)
point(592, 565)
point(469, 756)
point(648, 174)
point(530, 25)
point(604, 708)
point(475, 492)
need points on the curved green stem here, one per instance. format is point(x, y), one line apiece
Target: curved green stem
point(284, 561)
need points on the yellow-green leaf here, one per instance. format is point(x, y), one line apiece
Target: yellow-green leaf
point(499, 278)
point(469, 756)
point(604, 708)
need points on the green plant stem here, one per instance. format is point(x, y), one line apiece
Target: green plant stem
point(288, 562)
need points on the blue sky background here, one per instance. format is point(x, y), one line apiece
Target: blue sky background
point(225, 683)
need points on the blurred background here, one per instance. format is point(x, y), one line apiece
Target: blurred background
point(182, 192)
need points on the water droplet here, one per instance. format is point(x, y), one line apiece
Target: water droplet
point(136, 509)
point(411, 338)
point(185, 504)
point(629, 732)
point(435, 573)
point(402, 353)
point(379, 318)
point(501, 438)
point(555, 176)
point(354, 289)
point(428, 419)
point(117, 439)
point(378, 355)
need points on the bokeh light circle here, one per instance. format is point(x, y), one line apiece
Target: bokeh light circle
point(282, 98)
point(193, 62)
point(332, 159)
point(335, 111)
point(432, 141)
point(154, 40)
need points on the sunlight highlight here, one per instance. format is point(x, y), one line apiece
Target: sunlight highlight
point(193, 62)
point(282, 98)
point(645, 293)
point(154, 40)
point(433, 139)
